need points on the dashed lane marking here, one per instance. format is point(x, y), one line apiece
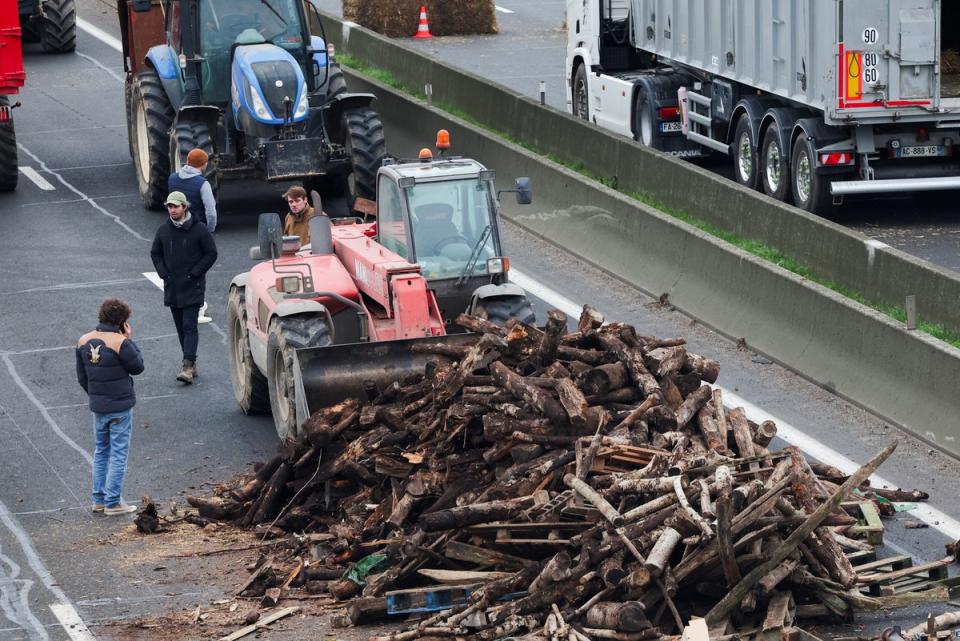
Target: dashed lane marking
point(36, 178)
point(99, 34)
point(934, 517)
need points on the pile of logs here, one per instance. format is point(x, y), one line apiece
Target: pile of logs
point(566, 485)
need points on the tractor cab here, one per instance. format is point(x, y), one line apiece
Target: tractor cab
point(443, 214)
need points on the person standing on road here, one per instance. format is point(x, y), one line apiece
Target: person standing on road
point(297, 220)
point(189, 181)
point(107, 359)
point(182, 252)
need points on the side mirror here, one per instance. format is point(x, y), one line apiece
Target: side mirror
point(270, 235)
point(524, 191)
point(141, 6)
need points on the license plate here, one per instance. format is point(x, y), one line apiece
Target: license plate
point(922, 151)
point(669, 127)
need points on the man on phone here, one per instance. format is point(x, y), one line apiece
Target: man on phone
point(182, 252)
point(107, 359)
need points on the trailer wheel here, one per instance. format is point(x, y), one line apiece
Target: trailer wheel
point(187, 136)
point(503, 308)
point(581, 94)
point(744, 154)
point(811, 191)
point(8, 152)
point(285, 336)
point(152, 116)
point(249, 383)
point(58, 30)
point(774, 170)
point(363, 138)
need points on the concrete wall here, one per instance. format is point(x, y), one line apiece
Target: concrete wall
point(904, 376)
point(875, 270)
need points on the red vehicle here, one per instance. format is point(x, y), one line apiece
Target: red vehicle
point(11, 79)
point(310, 327)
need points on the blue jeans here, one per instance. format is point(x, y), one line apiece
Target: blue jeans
point(112, 435)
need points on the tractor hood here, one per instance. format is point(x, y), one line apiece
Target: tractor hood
point(263, 77)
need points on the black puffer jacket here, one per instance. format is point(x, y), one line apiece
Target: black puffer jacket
point(182, 256)
point(105, 361)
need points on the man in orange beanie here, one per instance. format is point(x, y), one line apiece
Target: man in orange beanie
point(203, 206)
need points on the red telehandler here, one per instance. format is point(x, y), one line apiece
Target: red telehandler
point(11, 79)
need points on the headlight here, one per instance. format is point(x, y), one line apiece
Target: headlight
point(499, 265)
point(303, 106)
point(258, 107)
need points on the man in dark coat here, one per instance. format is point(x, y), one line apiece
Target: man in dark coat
point(183, 250)
point(107, 359)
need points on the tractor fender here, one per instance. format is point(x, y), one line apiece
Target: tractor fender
point(495, 291)
point(342, 103)
point(294, 307)
point(164, 61)
point(240, 280)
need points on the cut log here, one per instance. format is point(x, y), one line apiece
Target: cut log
point(628, 616)
point(692, 404)
point(659, 557)
point(666, 361)
point(553, 331)
point(465, 515)
point(709, 370)
point(532, 395)
point(604, 378)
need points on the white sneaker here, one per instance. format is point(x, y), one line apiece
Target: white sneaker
point(202, 317)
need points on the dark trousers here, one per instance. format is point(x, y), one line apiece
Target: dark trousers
point(185, 318)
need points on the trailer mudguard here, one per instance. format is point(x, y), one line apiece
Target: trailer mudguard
point(164, 61)
point(822, 135)
point(754, 108)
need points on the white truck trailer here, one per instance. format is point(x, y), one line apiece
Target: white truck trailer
point(812, 100)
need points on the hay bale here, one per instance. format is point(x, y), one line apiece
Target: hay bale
point(399, 18)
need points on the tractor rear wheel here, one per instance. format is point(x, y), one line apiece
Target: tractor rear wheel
point(249, 383)
point(187, 136)
point(500, 310)
point(58, 30)
point(285, 336)
point(363, 138)
point(152, 116)
point(8, 152)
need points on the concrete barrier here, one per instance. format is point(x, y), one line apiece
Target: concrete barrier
point(834, 253)
point(906, 377)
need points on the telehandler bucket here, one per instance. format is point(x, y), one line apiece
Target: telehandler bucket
point(324, 376)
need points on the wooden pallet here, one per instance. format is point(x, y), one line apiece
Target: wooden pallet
point(869, 526)
point(897, 575)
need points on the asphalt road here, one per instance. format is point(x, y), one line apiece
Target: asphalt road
point(64, 249)
point(531, 47)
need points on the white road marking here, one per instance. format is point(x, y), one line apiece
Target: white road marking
point(36, 178)
point(927, 513)
point(100, 34)
point(71, 622)
point(154, 278)
point(502, 10)
point(39, 569)
point(99, 65)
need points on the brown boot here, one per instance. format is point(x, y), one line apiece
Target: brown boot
point(186, 372)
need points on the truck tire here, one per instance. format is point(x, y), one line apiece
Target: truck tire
point(286, 335)
point(363, 138)
point(58, 30)
point(152, 117)
point(581, 94)
point(187, 136)
point(774, 169)
point(646, 121)
point(503, 308)
point(743, 151)
point(8, 152)
point(811, 191)
point(249, 383)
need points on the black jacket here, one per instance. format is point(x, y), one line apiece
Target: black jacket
point(182, 256)
point(105, 362)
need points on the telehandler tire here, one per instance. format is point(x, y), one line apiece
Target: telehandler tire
point(152, 116)
point(8, 153)
point(248, 382)
point(286, 335)
point(501, 309)
point(58, 30)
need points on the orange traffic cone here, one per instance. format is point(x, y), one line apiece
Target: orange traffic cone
point(423, 29)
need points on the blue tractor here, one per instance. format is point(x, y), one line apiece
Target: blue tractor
point(247, 82)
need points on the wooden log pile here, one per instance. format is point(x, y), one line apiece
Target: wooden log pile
point(567, 485)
